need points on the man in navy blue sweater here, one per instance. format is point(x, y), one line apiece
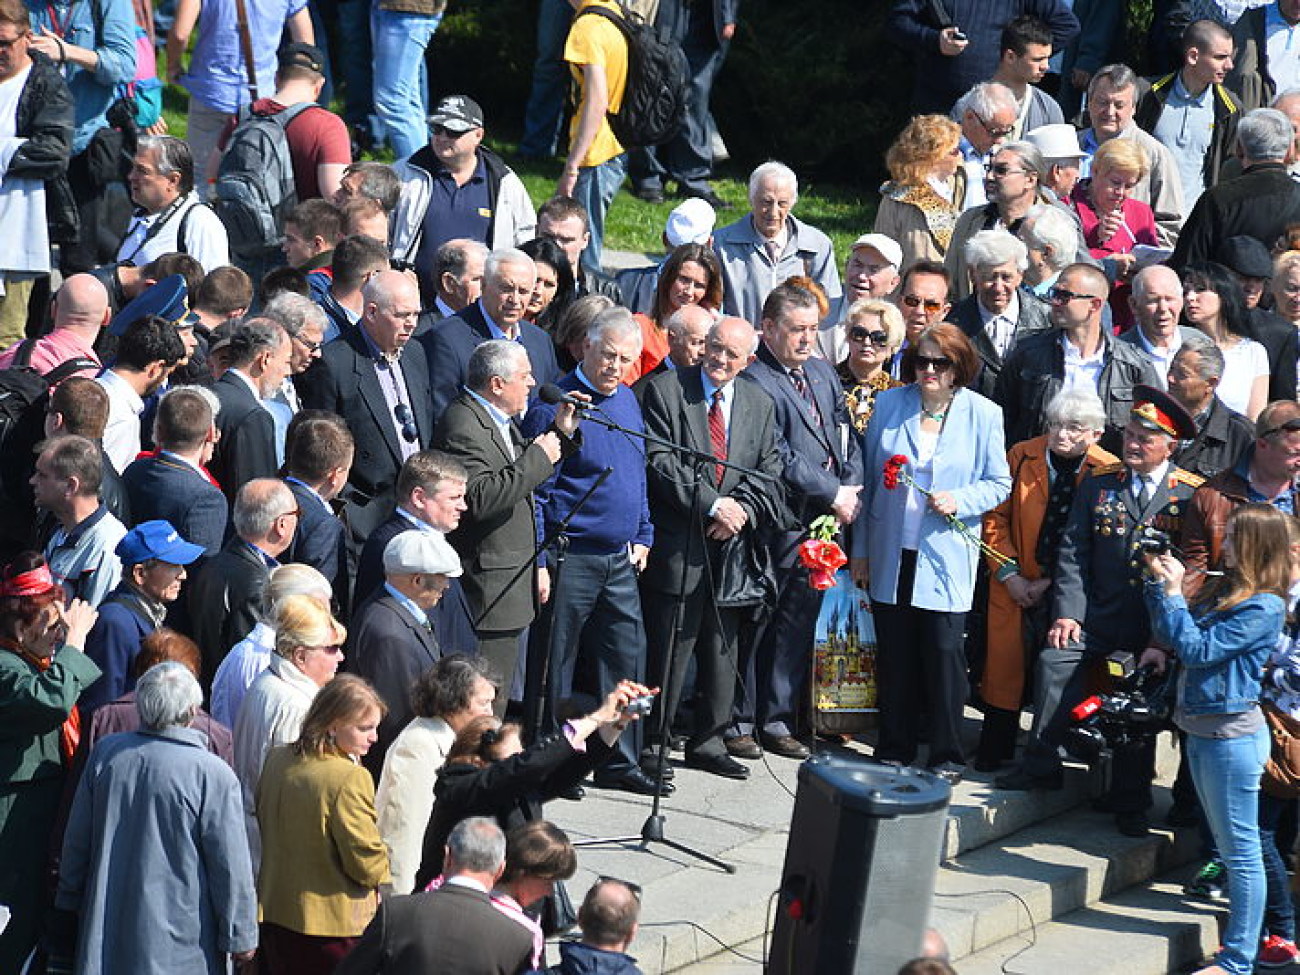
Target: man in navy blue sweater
point(595, 608)
point(951, 57)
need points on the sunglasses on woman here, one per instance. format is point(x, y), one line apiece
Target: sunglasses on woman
point(859, 334)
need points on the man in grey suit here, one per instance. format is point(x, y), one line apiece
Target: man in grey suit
point(392, 640)
point(498, 532)
point(453, 930)
point(700, 511)
point(997, 314)
point(822, 471)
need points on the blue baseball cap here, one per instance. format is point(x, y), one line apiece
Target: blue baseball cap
point(167, 299)
point(156, 540)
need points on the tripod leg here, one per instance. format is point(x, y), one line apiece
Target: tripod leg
point(682, 848)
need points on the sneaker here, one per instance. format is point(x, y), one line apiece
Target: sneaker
point(1276, 952)
point(1210, 882)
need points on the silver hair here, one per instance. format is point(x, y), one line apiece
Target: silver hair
point(776, 171)
point(252, 337)
point(985, 99)
point(1212, 363)
point(1118, 76)
point(295, 312)
point(1046, 226)
point(258, 504)
point(753, 332)
point(496, 358)
point(1139, 283)
point(1078, 405)
point(292, 579)
point(167, 695)
point(510, 256)
point(203, 393)
point(989, 248)
point(1029, 155)
point(453, 257)
point(1265, 133)
point(477, 845)
point(1284, 96)
point(173, 157)
point(616, 321)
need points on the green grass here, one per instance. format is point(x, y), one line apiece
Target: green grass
point(634, 225)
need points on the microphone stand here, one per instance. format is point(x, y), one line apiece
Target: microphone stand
point(534, 693)
point(653, 830)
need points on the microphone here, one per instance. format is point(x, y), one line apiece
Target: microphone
point(554, 395)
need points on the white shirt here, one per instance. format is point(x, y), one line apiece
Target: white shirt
point(1161, 358)
point(205, 235)
point(1080, 371)
point(1242, 365)
point(917, 503)
point(1001, 328)
point(122, 432)
point(1282, 41)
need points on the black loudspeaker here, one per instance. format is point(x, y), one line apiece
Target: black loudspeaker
point(860, 868)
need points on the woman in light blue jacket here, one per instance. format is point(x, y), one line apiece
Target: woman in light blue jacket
point(1222, 646)
point(918, 567)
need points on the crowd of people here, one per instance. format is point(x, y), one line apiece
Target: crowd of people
point(381, 465)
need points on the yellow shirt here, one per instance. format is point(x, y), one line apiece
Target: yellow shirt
point(594, 40)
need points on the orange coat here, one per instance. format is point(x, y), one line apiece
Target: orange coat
point(1012, 528)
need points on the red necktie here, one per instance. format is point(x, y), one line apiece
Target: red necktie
point(718, 432)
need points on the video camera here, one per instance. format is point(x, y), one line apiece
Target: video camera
point(1137, 708)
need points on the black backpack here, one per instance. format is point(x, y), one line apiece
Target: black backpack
point(24, 393)
point(654, 98)
point(255, 188)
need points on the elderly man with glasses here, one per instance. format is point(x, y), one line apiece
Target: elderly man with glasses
point(987, 115)
point(1076, 351)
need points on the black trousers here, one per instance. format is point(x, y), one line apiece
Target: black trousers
point(920, 667)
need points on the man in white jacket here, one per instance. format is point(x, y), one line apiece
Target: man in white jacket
point(455, 187)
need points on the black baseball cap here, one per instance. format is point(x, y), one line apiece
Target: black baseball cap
point(300, 55)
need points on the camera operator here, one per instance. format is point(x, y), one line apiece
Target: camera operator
point(1097, 597)
point(1222, 645)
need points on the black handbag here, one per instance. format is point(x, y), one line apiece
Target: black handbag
point(744, 573)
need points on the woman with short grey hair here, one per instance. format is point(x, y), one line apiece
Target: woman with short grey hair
point(1027, 528)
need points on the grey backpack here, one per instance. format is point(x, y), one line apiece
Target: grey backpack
point(255, 188)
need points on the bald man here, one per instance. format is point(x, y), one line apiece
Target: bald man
point(1157, 303)
point(703, 507)
point(80, 312)
point(378, 381)
point(688, 328)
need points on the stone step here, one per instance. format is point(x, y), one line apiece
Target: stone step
point(1147, 930)
point(1045, 871)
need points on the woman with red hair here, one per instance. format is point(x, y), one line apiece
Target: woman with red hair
point(43, 670)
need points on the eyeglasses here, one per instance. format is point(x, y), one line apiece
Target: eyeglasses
point(1290, 426)
point(1003, 169)
point(332, 650)
point(1001, 132)
point(449, 133)
point(925, 363)
point(634, 888)
point(930, 304)
point(311, 347)
point(1060, 296)
point(410, 432)
point(859, 334)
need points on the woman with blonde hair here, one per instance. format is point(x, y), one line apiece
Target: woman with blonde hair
point(1222, 643)
point(874, 332)
point(926, 192)
point(322, 856)
point(1113, 222)
point(308, 651)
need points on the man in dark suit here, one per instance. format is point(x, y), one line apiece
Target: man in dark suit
point(1097, 598)
point(227, 594)
point(699, 511)
point(430, 497)
point(453, 930)
point(498, 534)
point(378, 381)
point(260, 360)
point(318, 457)
point(508, 278)
point(392, 641)
point(171, 485)
point(997, 314)
point(822, 471)
point(457, 280)
point(687, 329)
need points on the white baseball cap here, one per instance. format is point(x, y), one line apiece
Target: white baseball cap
point(887, 247)
point(691, 222)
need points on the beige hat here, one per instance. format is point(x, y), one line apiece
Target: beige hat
point(1057, 141)
point(691, 222)
point(887, 247)
point(421, 551)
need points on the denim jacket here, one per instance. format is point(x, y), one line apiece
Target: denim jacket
point(1222, 652)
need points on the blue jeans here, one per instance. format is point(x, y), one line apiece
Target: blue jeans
point(595, 189)
point(550, 80)
point(401, 97)
point(1226, 772)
